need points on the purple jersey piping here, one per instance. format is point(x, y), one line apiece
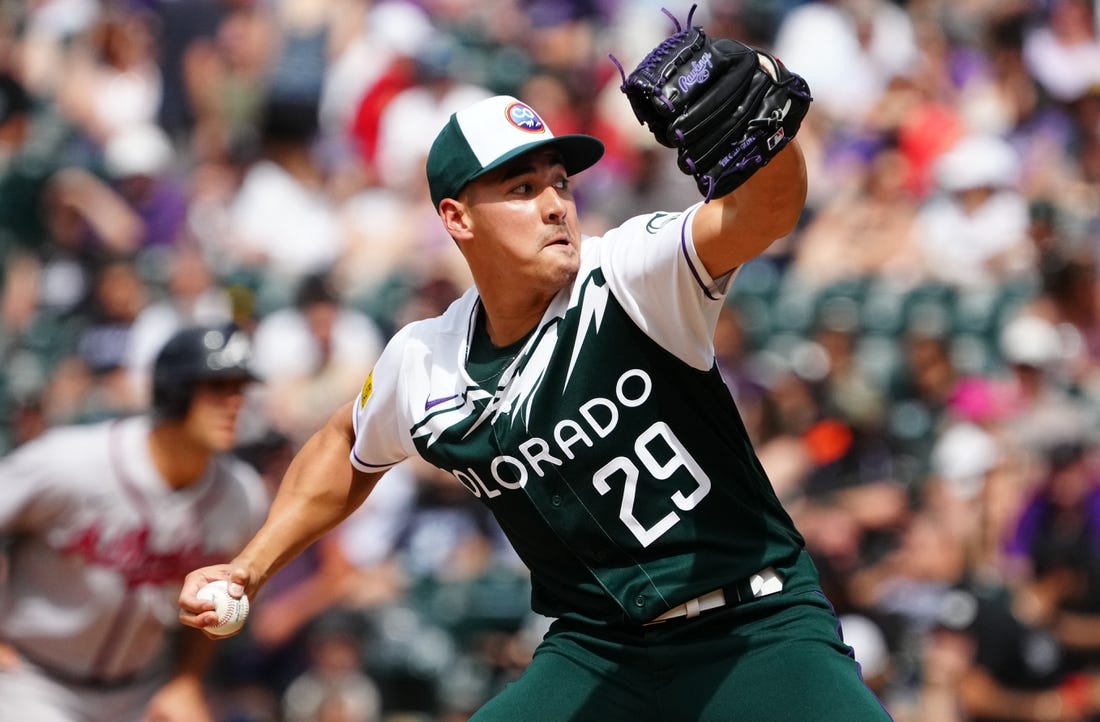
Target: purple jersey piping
point(360, 462)
point(691, 265)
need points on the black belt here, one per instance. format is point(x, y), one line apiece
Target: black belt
point(764, 582)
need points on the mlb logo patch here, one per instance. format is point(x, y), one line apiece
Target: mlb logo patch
point(775, 139)
point(523, 117)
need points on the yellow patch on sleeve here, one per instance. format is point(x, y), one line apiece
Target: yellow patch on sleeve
point(368, 387)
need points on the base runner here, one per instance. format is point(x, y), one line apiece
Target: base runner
point(101, 523)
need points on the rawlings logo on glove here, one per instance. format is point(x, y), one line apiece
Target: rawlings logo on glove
point(700, 72)
point(727, 108)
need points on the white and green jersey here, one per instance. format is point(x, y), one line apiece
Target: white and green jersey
point(605, 443)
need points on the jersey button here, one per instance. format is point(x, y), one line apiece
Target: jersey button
point(555, 500)
point(639, 601)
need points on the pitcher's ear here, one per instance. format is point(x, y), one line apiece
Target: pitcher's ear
point(454, 217)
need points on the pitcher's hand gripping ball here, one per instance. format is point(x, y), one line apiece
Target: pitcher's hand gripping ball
point(727, 108)
point(231, 611)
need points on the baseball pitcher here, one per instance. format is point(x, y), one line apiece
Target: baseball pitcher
point(574, 391)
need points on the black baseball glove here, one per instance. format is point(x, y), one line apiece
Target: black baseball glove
point(727, 108)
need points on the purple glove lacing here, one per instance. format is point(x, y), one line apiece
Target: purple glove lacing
point(661, 51)
point(742, 163)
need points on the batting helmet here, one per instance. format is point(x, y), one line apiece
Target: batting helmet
point(197, 354)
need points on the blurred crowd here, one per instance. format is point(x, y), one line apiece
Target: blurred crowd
point(918, 364)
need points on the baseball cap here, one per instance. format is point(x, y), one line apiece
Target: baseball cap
point(143, 149)
point(492, 132)
point(962, 456)
point(978, 161)
point(1028, 340)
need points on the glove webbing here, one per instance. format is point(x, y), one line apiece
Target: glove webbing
point(658, 55)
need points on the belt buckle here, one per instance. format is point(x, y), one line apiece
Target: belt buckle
point(765, 582)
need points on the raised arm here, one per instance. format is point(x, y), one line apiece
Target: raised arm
point(737, 227)
point(731, 112)
point(319, 490)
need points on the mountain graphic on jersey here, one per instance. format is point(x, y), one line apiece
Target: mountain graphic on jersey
point(510, 402)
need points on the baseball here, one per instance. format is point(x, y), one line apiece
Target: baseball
point(231, 612)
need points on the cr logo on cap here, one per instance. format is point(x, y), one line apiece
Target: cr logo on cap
point(521, 116)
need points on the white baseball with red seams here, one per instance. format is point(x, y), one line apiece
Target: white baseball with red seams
point(231, 611)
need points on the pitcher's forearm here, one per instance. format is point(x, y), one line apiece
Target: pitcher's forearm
point(319, 490)
point(735, 229)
